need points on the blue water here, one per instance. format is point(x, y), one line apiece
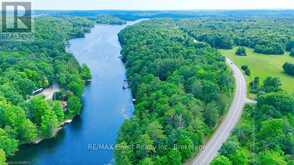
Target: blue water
point(106, 106)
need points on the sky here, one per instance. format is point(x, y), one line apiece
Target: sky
point(161, 4)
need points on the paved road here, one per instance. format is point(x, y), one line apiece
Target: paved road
point(210, 149)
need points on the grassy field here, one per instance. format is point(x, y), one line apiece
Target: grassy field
point(263, 66)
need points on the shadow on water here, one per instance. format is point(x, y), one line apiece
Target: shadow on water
point(29, 152)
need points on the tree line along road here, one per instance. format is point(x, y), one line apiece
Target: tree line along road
point(211, 148)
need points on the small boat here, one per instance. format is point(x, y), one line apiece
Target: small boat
point(35, 92)
point(125, 86)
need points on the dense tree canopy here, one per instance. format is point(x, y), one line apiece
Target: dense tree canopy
point(109, 19)
point(36, 64)
point(86, 73)
point(265, 133)
point(181, 86)
point(181, 90)
point(267, 35)
point(221, 160)
point(271, 84)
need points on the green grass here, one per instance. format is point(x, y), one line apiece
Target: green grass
point(263, 66)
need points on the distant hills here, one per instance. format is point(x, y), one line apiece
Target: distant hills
point(133, 15)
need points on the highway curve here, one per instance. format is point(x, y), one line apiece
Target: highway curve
point(210, 149)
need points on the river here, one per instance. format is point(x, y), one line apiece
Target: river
point(89, 138)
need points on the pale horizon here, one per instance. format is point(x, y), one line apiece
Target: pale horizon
point(162, 5)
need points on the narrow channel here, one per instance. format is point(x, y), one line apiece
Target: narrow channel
point(89, 138)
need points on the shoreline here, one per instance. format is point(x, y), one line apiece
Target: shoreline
point(40, 141)
point(55, 132)
point(50, 91)
point(57, 88)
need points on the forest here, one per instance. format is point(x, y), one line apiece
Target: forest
point(182, 89)
point(109, 19)
point(264, 135)
point(36, 64)
point(266, 35)
point(166, 65)
point(178, 77)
